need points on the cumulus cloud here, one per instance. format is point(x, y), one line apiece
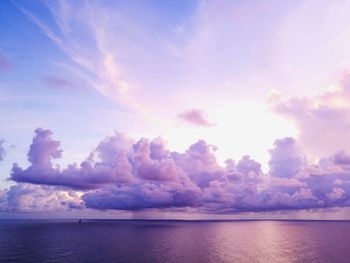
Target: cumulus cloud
point(123, 174)
point(107, 164)
point(286, 158)
point(36, 198)
point(195, 117)
point(146, 195)
point(322, 121)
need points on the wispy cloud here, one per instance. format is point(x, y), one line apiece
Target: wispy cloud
point(90, 54)
point(59, 82)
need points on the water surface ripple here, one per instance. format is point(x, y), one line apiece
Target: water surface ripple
point(174, 241)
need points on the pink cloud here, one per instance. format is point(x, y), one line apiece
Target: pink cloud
point(195, 117)
point(323, 121)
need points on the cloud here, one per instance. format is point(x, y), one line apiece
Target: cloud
point(322, 121)
point(142, 196)
point(58, 82)
point(2, 150)
point(111, 166)
point(5, 63)
point(43, 149)
point(195, 117)
point(68, 21)
point(286, 159)
point(121, 174)
point(36, 198)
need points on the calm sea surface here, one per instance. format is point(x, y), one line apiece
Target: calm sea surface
point(174, 241)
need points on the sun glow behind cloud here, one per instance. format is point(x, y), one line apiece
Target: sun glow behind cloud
point(183, 72)
point(240, 128)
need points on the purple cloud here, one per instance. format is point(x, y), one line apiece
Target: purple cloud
point(111, 166)
point(2, 150)
point(58, 82)
point(341, 158)
point(286, 158)
point(5, 63)
point(43, 149)
point(195, 117)
point(142, 196)
point(122, 174)
point(322, 121)
point(36, 198)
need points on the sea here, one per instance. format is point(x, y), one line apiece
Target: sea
point(174, 241)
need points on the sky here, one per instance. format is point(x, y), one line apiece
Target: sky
point(175, 109)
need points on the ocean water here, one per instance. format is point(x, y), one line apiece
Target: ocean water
point(174, 241)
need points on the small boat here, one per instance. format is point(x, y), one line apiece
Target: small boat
point(80, 221)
